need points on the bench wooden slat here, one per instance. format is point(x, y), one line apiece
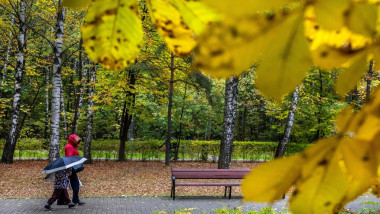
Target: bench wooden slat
point(207, 174)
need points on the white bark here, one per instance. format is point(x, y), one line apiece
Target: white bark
point(10, 144)
point(230, 107)
point(289, 125)
point(57, 83)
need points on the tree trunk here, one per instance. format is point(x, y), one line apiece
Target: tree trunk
point(90, 115)
point(10, 144)
point(7, 56)
point(47, 104)
point(127, 116)
point(369, 81)
point(57, 84)
point(289, 125)
point(176, 147)
point(169, 135)
point(62, 101)
point(230, 107)
point(82, 88)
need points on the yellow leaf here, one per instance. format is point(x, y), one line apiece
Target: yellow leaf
point(362, 19)
point(286, 60)
point(232, 46)
point(76, 4)
point(270, 181)
point(330, 14)
point(195, 14)
point(242, 8)
point(360, 159)
point(113, 32)
point(326, 57)
point(170, 25)
point(322, 190)
point(349, 78)
point(343, 119)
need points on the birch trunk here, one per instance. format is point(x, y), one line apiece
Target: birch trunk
point(90, 115)
point(289, 125)
point(56, 90)
point(10, 144)
point(230, 107)
point(7, 56)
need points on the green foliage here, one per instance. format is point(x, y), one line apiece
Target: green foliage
point(154, 149)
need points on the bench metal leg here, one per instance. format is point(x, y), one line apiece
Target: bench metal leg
point(225, 191)
point(230, 192)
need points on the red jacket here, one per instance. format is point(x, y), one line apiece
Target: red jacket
point(72, 144)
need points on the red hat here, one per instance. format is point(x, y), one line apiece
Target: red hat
point(73, 140)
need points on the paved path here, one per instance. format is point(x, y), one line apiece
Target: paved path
point(146, 205)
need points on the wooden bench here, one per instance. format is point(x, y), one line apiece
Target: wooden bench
point(207, 174)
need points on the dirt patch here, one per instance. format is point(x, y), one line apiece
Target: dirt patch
point(107, 178)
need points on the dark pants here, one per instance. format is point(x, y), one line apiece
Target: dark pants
point(75, 186)
point(62, 193)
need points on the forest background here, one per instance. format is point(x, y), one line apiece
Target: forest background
point(198, 100)
point(47, 77)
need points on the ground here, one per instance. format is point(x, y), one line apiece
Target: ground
point(106, 178)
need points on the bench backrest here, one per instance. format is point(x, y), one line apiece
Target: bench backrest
point(209, 173)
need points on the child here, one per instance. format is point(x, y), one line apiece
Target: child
point(60, 188)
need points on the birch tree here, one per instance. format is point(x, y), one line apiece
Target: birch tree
point(289, 125)
point(56, 83)
point(10, 144)
point(7, 55)
point(230, 107)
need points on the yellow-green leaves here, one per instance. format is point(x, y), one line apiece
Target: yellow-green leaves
point(243, 8)
point(286, 60)
point(171, 26)
point(329, 174)
point(76, 3)
point(113, 32)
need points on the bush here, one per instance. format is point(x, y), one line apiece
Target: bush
point(154, 149)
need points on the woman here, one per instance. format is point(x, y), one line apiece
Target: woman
point(71, 150)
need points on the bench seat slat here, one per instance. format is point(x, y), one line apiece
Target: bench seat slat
point(207, 184)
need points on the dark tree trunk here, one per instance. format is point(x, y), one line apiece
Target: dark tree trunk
point(57, 84)
point(7, 56)
point(230, 107)
point(176, 147)
point(289, 125)
point(63, 114)
point(319, 113)
point(169, 135)
point(10, 144)
point(90, 115)
point(369, 81)
point(127, 116)
point(47, 80)
point(83, 78)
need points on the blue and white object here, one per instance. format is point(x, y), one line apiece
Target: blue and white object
point(63, 163)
